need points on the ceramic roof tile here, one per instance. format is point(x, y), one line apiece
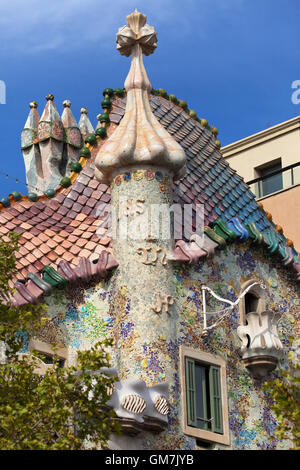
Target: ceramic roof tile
point(72, 214)
point(45, 260)
point(76, 207)
point(75, 250)
point(23, 262)
point(94, 184)
point(84, 179)
point(66, 255)
point(86, 235)
point(105, 197)
point(81, 241)
point(80, 217)
point(58, 215)
point(36, 241)
point(87, 192)
point(85, 253)
point(105, 241)
point(90, 246)
point(7, 215)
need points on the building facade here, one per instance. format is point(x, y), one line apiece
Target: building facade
point(141, 231)
point(269, 162)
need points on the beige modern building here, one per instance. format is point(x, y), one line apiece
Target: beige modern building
point(269, 162)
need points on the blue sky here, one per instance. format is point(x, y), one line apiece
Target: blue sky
point(233, 61)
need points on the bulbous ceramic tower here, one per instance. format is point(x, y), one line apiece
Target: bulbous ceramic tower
point(140, 160)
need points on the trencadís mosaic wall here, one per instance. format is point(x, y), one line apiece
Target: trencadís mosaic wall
point(85, 314)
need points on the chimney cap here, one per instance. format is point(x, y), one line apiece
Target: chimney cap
point(67, 103)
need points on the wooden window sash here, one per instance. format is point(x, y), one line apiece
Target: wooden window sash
point(215, 399)
point(190, 392)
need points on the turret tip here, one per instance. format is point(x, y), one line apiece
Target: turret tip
point(66, 103)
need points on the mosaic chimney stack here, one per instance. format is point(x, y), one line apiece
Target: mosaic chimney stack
point(51, 142)
point(84, 123)
point(30, 150)
point(140, 160)
point(72, 138)
point(50, 145)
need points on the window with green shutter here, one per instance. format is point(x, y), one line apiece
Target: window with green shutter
point(203, 396)
point(190, 391)
point(215, 399)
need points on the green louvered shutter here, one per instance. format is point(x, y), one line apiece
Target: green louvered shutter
point(190, 392)
point(215, 399)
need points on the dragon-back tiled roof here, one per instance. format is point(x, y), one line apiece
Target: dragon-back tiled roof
point(64, 227)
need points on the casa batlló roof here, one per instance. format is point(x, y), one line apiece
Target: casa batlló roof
point(61, 240)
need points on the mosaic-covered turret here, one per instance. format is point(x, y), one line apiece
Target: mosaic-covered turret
point(140, 160)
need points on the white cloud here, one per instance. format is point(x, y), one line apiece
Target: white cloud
point(34, 25)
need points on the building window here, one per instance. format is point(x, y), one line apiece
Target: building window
point(204, 407)
point(47, 355)
point(269, 183)
point(51, 359)
point(204, 396)
point(253, 301)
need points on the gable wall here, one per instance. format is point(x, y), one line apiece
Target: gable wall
point(84, 315)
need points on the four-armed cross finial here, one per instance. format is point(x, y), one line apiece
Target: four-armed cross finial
point(137, 32)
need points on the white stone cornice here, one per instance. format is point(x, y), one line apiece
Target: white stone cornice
point(261, 137)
